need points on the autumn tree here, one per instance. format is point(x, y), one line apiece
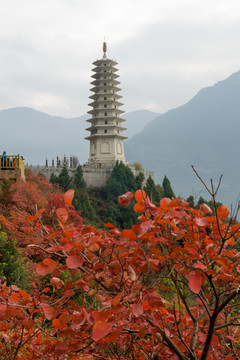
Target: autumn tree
point(96, 302)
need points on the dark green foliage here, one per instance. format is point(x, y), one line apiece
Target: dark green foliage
point(6, 192)
point(78, 184)
point(63, 180)
point(11, 263)
point(190, 200)
point(121, 181)
point(168, 191)
point(201, 200)
point(154, 192)
point(78, 179)
point(105, 199)
point(81, 201)
point(53, 179)
point(140, 179)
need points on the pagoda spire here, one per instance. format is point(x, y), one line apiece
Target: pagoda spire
point(104, 50)
point(106, 138)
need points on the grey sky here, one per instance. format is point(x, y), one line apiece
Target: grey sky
point(166, 50)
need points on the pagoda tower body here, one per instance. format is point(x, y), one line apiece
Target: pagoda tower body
point(106, 138)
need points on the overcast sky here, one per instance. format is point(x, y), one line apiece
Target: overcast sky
point(167, 50)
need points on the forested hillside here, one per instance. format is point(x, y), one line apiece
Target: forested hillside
point(100, 205)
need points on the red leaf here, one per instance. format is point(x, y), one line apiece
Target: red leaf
point(131, 274)
point(140, 195)
point(81, 284)
point(136, 309)
point(195, 282)
point(100, 330)
point(68, 197)
point(74, 261)
point(116, 300)
point(14, 288)
point(231, 338)
point(200, 221)
point(2, 309)
point(48, 312)
point(39, 213)
point(200, 265)
point(222, 212)
point(57, 282)
point(164, 203)
point(47, 266)
point(138, 207)
point(62, 215)
point(129, 234)
point(28, 324)
point(88, 229)
point(205, 209)
point(113, 337)
point(109, 225)
point(125, 199)
point(238, 268)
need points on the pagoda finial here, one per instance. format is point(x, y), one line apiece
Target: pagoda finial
point(104, 49)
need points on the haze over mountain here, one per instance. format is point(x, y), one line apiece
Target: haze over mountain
point(205, 133)
point(37, 135)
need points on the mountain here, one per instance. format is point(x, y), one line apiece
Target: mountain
point(137, 120)
point(38, 136)
point(205, 133)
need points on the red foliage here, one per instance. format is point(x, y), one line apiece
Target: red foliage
point(166, 289)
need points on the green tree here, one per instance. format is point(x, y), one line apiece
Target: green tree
point(137, 166)
point(78, 179)
point(152, 190)
point(6, 192)
point(168, 191)
point(63, 180)
point(11, 263)
point(140, 179)
point(190, 200)
point(121, 181)
point(81, 201)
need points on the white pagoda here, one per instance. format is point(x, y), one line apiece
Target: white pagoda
point(106, 138)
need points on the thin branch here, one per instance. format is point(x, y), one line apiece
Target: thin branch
point(19, 344)
point(85, 347)
point(192, 356)
point(204, 184)
point(168, 341)
point(226, 325)
point(47, 251)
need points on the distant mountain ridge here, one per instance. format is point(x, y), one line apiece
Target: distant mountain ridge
point(37, 135)
point(204, 132)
